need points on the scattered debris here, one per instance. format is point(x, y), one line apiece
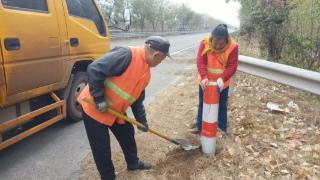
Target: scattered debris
point(274, 107)
point(259, 145)
point(293, 105)
point(181, 84)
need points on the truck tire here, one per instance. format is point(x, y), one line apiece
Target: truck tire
point(74, 112)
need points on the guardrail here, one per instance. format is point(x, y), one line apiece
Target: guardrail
point(120, 34)
point(292, 76)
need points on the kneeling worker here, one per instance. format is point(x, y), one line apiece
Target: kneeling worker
point(118, 80)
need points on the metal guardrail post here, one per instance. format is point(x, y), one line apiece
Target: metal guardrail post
point(299, 78)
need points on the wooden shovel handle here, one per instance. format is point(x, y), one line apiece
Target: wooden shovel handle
point(130, 120)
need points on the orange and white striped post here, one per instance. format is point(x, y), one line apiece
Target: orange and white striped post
point(210, 118)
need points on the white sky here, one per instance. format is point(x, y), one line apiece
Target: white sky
point(219, 9)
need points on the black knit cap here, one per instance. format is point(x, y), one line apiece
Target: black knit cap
point(159, 43)
point(221, 31)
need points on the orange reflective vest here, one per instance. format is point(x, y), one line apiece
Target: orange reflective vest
point(217, 60)
point(120, 91)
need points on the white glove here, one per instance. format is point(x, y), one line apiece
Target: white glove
point(102, 107)
point(204, 82)
point(220, 84)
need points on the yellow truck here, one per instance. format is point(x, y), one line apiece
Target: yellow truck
point(45, 48)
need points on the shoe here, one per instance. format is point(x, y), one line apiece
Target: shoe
point(140, 166)
point(195, 131)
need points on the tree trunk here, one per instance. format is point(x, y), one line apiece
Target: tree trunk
point(162, 26)
point(153, 26)
point(142, 24)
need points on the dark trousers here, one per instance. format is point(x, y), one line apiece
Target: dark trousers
point(222, 114)
point(99, 139)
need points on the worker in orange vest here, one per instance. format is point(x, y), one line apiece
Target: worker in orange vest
point(118, 80)
point(217, 61)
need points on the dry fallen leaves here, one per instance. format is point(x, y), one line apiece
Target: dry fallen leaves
point(259, 145)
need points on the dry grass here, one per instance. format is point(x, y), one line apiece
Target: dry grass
point(261, 144)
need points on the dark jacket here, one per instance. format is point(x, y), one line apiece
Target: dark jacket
point(114, 63)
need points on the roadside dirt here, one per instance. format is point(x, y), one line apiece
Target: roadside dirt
point(261, 144)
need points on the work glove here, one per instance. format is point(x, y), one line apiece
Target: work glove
point(146, 126)
point(102, 106)
point(204, 82)
point(220, 84)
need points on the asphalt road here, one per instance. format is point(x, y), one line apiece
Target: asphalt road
point(56, 152)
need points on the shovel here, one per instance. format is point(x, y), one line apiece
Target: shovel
point(184, 144)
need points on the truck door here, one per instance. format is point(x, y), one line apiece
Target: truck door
point(86, 29)
point(31, 44)
point(2, 79)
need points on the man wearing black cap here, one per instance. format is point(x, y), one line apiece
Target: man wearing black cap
point(118, 80)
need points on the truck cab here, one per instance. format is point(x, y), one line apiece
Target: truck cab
point(45, 48)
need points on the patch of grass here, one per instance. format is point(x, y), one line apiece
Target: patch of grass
point(309, 159)
point(314, 96)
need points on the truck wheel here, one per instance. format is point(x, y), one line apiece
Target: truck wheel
point(74, 112)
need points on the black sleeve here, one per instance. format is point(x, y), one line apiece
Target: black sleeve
point(138, 108)
point(114, 63)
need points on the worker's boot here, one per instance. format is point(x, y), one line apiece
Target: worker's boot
point(140, 166)
point(195, 130)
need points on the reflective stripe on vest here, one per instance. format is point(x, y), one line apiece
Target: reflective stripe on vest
point(124, 95)
point(215, 70)
point(217, 61)
point(121, 91)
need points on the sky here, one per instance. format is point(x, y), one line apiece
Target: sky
point(219, 9)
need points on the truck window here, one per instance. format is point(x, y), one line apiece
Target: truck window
point(27, 5)
point(87, 9)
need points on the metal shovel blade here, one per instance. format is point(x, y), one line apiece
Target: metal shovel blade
point(185, 144)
